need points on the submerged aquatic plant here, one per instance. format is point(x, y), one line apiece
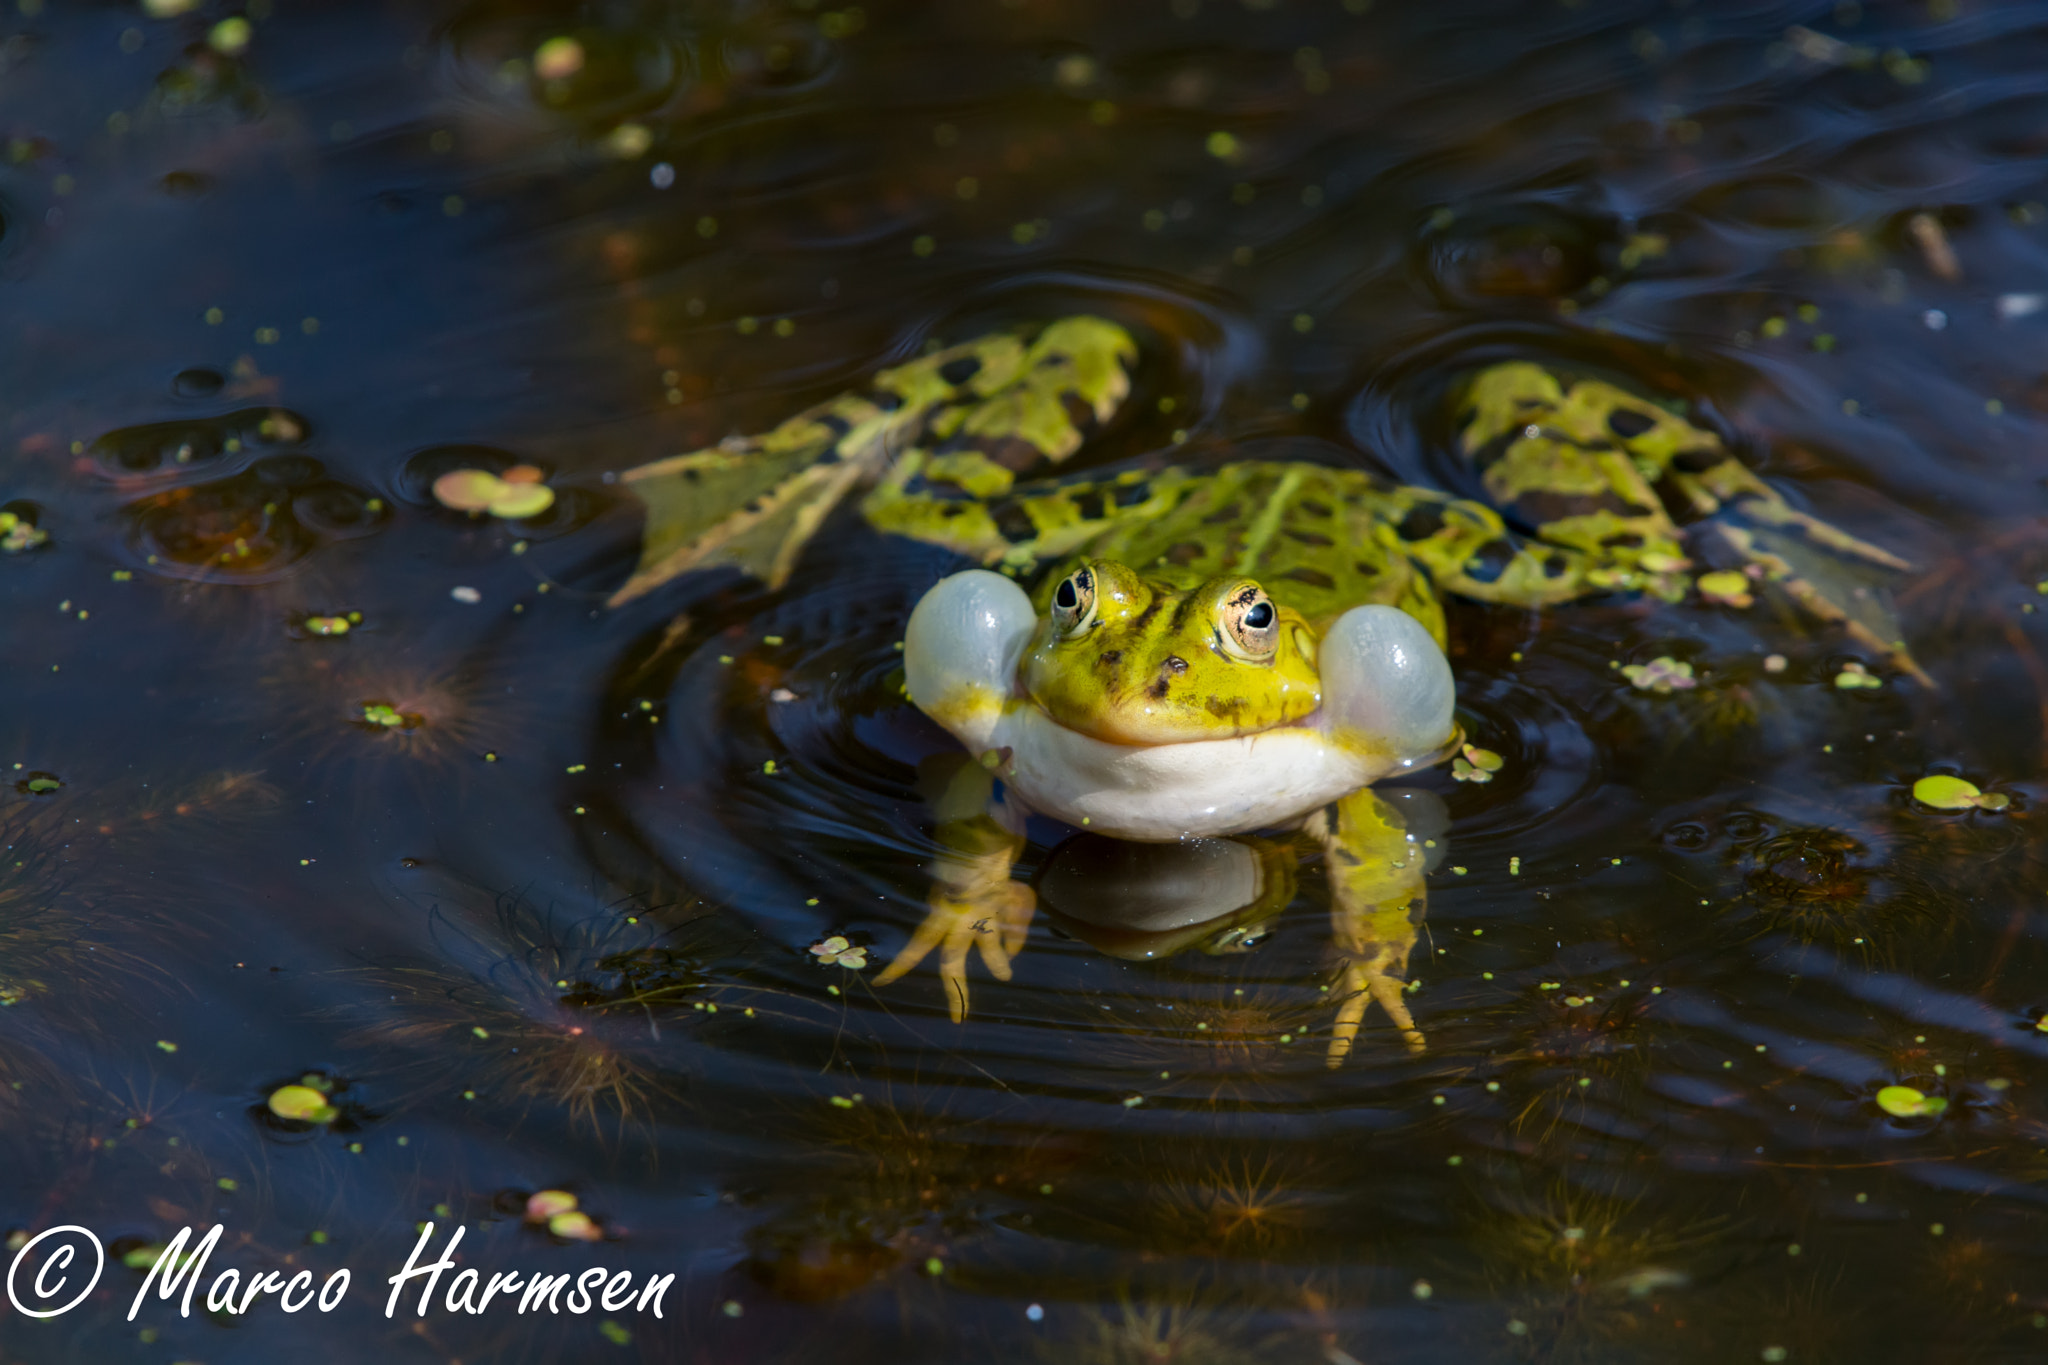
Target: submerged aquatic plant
point(1221, 1043)
point(1583, 1268)
point(526, 1008)
point(1232, 1207)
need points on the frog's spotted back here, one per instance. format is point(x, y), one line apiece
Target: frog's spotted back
point(1602, 490)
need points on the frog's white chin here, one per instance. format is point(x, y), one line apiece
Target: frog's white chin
point(1387, 698)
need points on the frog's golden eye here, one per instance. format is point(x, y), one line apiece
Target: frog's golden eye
point(1251, 623)
point(1073, 604)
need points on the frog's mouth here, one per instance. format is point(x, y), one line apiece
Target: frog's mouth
point(1387, 688)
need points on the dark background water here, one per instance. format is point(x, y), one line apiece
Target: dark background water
point(254, 302)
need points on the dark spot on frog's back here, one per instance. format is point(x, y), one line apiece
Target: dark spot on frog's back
point(1223, 514)
point(1314, 538)
point(1698, 460)
point(1013, 521)
point(1490, 562)
point(1315, 578)
point(1542, 507)
point(1109, 658)
point(1131, 494)
point(1628, 423)
point(961, 370)
point(1314, 509)
point(1421, 523)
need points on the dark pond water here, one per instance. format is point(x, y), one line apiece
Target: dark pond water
point(523, 889)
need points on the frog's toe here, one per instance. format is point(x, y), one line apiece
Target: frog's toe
point(1365, 985)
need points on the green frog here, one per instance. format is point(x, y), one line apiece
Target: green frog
point(1169, 653)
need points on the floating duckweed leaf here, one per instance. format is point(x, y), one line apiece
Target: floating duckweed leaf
point(1476, 764)
point(517, 493)
point(575, 1226)
point(614, 1333)
point(1855, 675)
point(1727, 588)
point(41, 784)
point(547, 1204)
point(837, 950)
point(468, 490)
point(1953, 793)
point(558, 59)
point(1662, 675)
point(1904, 1102)
point(327, 625)
point(381, 713)
point(230, 36)
point(18, 533)
point(301, 1104)
point(522, 500)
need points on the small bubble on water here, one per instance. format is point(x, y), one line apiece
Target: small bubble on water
point(662, 176)
point(465, 593)
point(1035, 1313)
point(1935, 319)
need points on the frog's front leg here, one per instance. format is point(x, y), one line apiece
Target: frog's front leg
point(975, 904)
point(1377, 894)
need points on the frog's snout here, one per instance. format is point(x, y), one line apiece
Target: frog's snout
point(961, 649)
point(1386, 685)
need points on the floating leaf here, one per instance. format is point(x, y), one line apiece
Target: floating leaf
point(575, 1226)
point(301, 1104)
point(1662, 675)
point(468, 490)
point(1727, 588)
point(1953, 793)
point(1855, 675)
point(327, 625)
point(1904, 1102)
point(836, 950)
point(522, 500)
point(558, 59)
point(547, 1204)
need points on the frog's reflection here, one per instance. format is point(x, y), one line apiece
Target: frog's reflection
point(1145, 901)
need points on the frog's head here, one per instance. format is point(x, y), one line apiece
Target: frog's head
point(1132, 661)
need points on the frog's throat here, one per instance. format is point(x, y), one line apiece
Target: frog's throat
point(1387, 701)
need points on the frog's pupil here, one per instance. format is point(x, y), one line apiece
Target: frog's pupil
point(1065, 598)
point(1259, 617)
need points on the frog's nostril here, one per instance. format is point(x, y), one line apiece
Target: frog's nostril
point(1176, 664)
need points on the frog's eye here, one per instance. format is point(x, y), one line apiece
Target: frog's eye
point(1251, 622)
point(1073, 604)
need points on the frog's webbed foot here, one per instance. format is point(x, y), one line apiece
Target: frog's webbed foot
point(974, 903)
point(991, 918)
point(1374, 973)
point(1594, 467)
point(1375, 864)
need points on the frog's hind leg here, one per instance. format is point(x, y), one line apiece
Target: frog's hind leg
point(1377, 897)
point(970, 415)
point(1594, 468)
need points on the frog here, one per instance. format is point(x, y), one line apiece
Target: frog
point(1165, 652)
